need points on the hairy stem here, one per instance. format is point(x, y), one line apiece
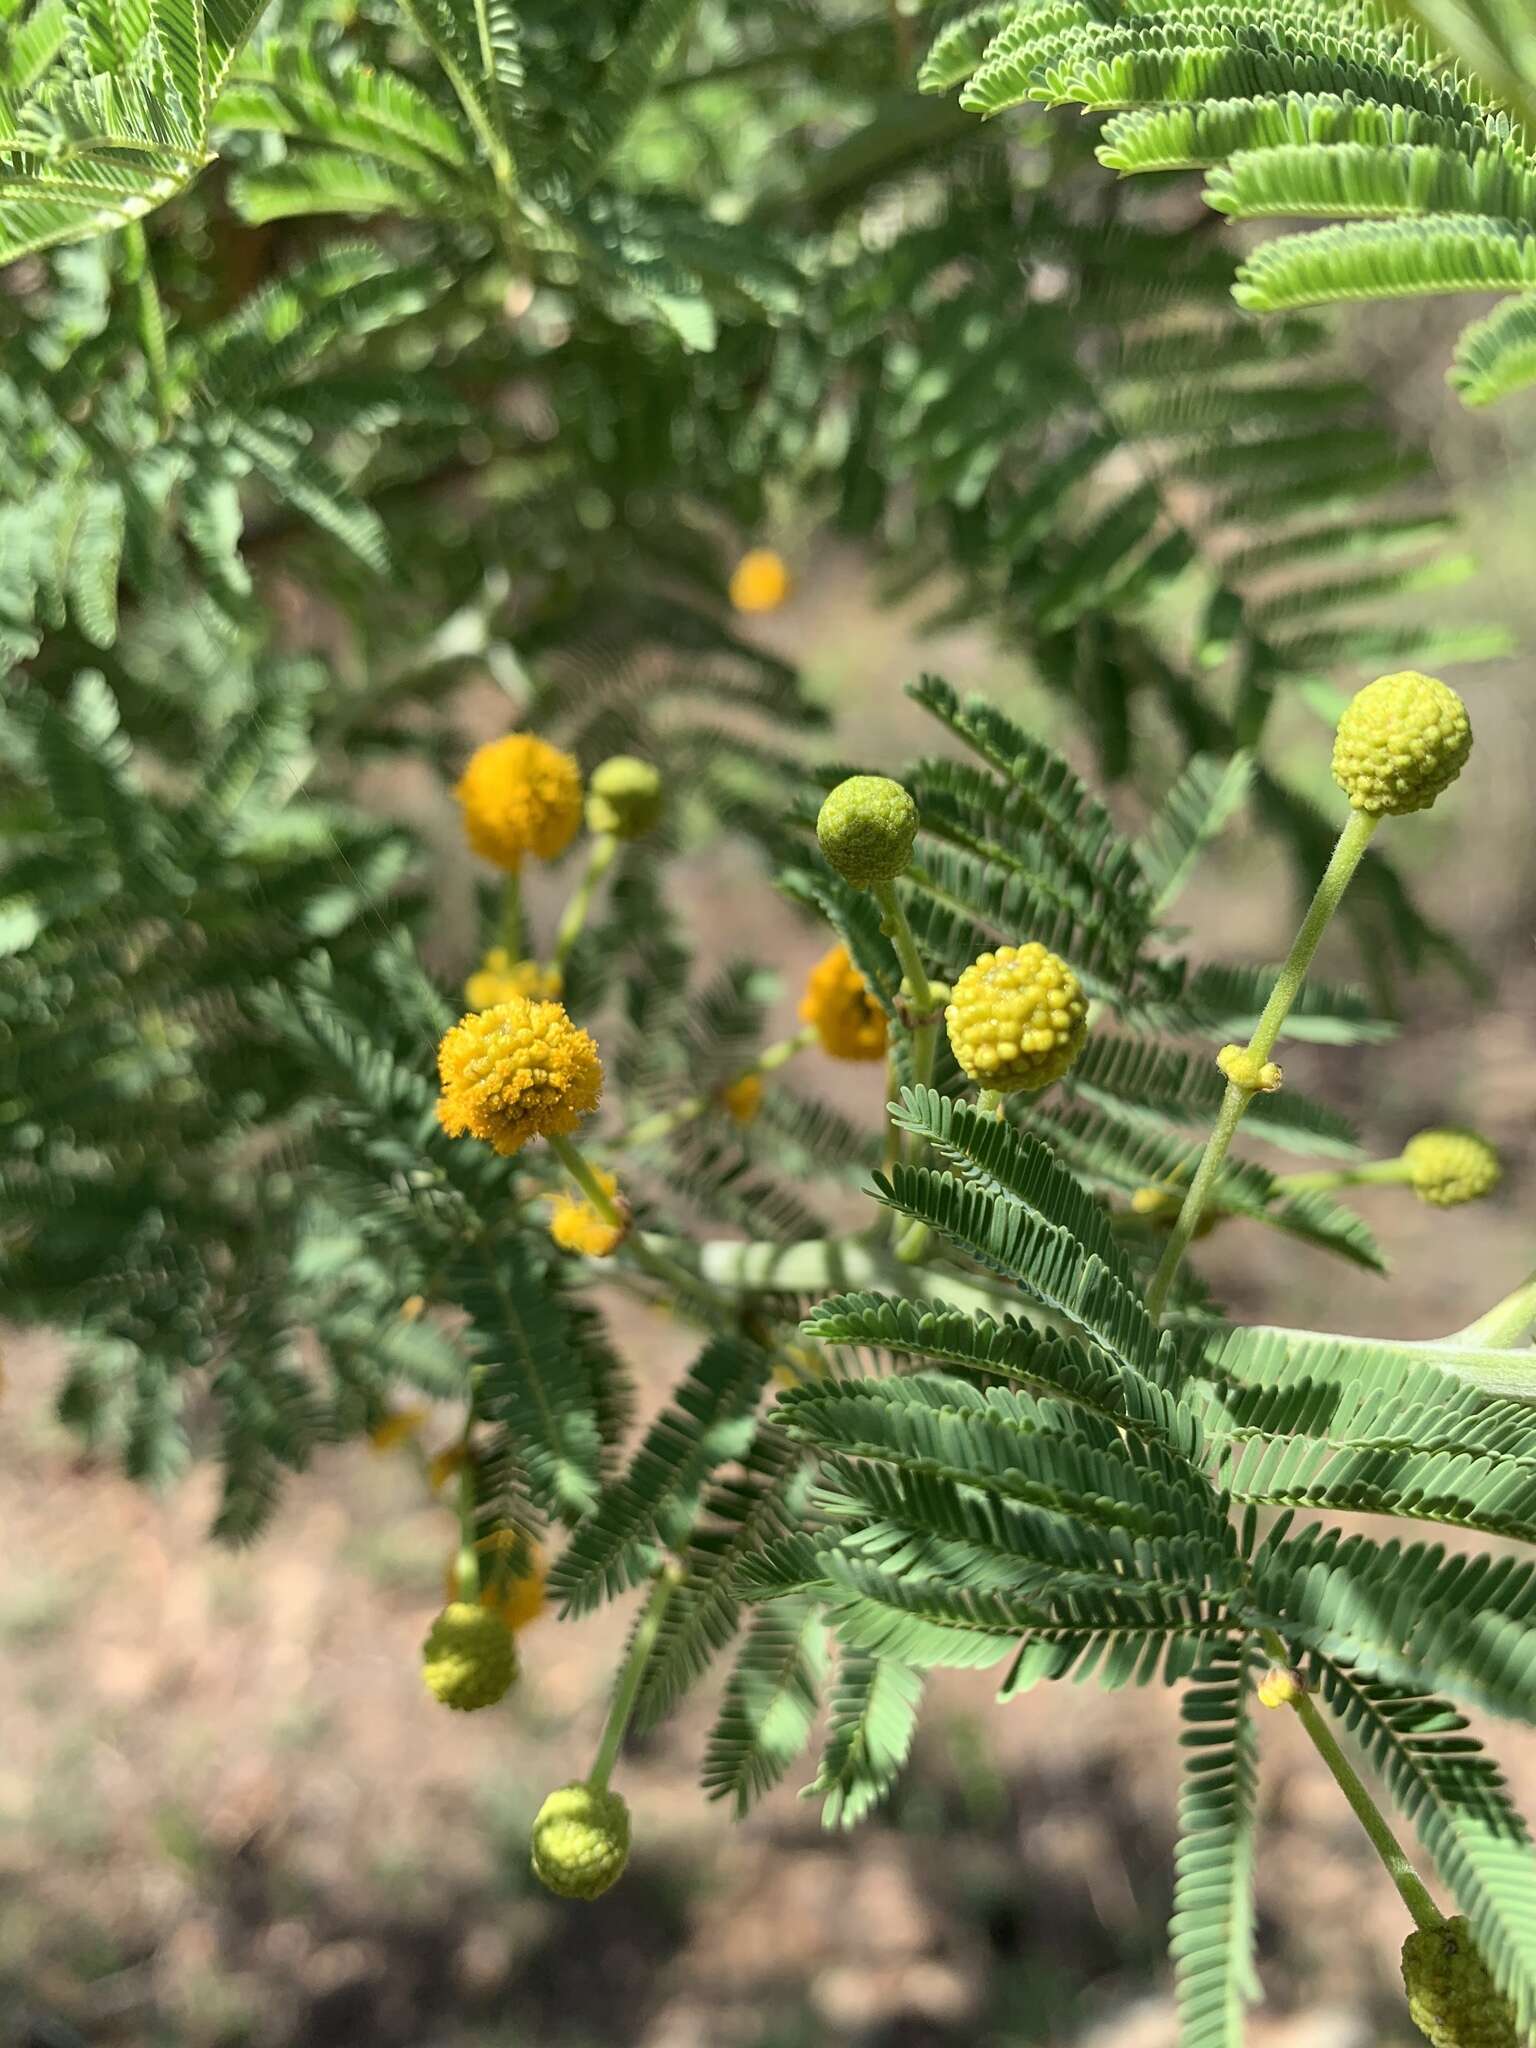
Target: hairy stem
point(667, 1580)
point(1394, 1857)
point(573, 922)
point(1347, 855)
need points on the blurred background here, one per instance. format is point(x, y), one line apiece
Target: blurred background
point(229, 1814)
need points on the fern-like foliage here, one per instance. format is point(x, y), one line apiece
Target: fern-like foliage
point(1408, 126)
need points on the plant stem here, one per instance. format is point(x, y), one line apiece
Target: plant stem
point(666, 1121)
point(1374, 1173)
point(1347, 855)
point(1394, 1858)
point(466, 1566)
point(599, 861)
point(586, 1179)
point(509, 929)
point(1508, 1322)
point(911, 1240)
point(141, 273)
point(667, 1580)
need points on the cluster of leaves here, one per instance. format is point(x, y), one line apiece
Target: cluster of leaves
point(1410, 127)
point(511, 319)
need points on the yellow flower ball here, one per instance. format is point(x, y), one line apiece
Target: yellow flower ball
point(848, 1021)
point(1279, 1688)
point(580, 1841)
point(499, 977)
point(399, 1427)
point(520, 795)
point(468, 1659)
point(760, 581)
point(1446, 1168)
point(1401, 741)
point(743, 1098)
point(1018, 1019)
point(576, 1226)
point(517, 1071)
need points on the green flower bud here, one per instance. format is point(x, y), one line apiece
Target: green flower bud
point(1448, 1167)
point(1401, 741)
point(623, 797)
point(580, 1841)
point(469, 1659)
point(1451, 1997)
point(866, 828)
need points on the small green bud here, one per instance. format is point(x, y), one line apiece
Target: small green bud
point(1449, 1167)
point(1452, 2000)
point(580, 1841)
point(469, 1659)
point(866, 828)
point(1402, 740)
point(623, 797)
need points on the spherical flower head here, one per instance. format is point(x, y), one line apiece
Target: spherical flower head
point(499, 977)
point(469, 1659)
point(848, 1021)
point(1452, 1999)
point(517, 1071)
point(576, 1226)
point(744, 1098)
point(401, 1426)
point(519, 795)
point(1449, 1167)
point(1401, 741)
point(580, 1841)
point(760, 581)
point(1018, 1018)
point(623, 797)
point(866, 828)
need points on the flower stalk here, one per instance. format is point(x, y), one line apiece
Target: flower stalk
point(632, 1674)
point(1394, 1857)
point(573, 921)
point(1254, 1058)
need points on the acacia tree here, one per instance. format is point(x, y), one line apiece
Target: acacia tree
point(475, 339)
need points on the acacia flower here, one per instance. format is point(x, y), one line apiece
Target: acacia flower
point(1446, 1168)
point(517, 1071)
point(1401, 741)
point(519, 795)
point(743, 1098)
point(581, 1841)
point(576, 1226)
point(1018, 1018)
point(848, 1021)
point(760, 581)
point(468, 1659)
point(865, 829)
point(499, 977)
